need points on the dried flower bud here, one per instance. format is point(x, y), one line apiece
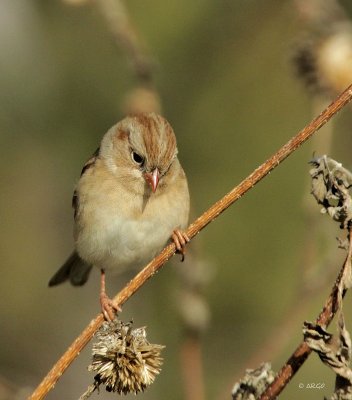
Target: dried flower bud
point(330, 187)
point(323, 54)
point(335, 352)
point(123, 359)
point(140, 100)
point(253, 384)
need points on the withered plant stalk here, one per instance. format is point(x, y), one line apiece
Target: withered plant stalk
point(300, 355)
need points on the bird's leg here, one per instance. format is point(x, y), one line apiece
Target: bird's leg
point(108, 307)
point(180, 239)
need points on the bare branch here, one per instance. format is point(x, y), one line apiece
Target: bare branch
point(126, 37)
point(302, 352)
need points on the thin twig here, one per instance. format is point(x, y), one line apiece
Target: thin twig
point(200, 223)
point(144, 97)
point(302, 352)
point(191, 360)
point(126, 37)
point(90, 390)
point(194, 312)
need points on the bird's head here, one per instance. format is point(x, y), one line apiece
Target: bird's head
point(140, 149)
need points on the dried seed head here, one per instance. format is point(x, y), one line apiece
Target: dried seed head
point(253, 384)
point(331, 183)
point(323, 54)
point(123, 359)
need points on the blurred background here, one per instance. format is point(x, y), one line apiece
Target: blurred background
point(236, 79)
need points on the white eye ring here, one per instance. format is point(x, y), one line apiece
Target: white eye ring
point(138, 159)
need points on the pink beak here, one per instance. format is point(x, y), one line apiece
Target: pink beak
point(152, 178)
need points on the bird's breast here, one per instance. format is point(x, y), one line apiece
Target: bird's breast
point(118, 233)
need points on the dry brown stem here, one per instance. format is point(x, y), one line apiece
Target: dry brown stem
point(126, 37)
point(302, 352)
point(208, 216)
point(191, 360)
point(144, 97)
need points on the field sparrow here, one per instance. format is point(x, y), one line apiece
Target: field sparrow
point(131, 198)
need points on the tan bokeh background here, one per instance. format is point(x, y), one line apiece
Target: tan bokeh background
point(226, 81)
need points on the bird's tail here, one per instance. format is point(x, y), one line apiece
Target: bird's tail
point(74, 269)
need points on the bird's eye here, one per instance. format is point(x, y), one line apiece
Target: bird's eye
point(137, 158)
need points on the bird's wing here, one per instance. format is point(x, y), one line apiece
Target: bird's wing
point(87, 165)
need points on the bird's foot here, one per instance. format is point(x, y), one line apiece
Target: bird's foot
point(108, 307)
point(180, 239)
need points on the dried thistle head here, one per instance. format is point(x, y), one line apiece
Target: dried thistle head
point(123, 359)
point(323, 54)
point(330, 187)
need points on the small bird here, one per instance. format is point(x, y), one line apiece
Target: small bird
point(131, 199)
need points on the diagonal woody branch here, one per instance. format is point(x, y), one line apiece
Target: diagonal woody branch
point(302, 352)
point(208, 216)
